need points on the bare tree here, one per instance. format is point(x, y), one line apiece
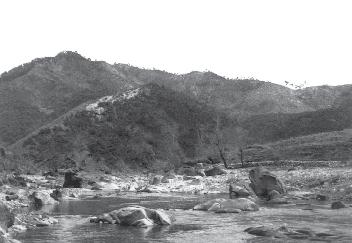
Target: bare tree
point(226, 141)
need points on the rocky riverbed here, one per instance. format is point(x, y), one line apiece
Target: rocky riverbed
point(23, 196)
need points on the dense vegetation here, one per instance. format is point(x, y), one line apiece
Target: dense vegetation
point(158, 127)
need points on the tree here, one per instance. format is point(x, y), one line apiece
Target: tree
point(225, 140)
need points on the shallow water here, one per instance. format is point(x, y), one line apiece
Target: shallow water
point(190, 226)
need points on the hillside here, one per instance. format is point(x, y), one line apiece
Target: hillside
point(151, 126)
point(234, 96)
point(274, 127)
point(38, 92)
point(321, 146)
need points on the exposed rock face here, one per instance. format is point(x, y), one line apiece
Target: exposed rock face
point(134, 216)
point(263, 182)
point(72, 180)
point(7, 218)
point(215, 171)
point(222, 205)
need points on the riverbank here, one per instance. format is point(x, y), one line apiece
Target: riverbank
point(23, 193)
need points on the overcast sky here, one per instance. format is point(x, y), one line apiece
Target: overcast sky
point(297, 40)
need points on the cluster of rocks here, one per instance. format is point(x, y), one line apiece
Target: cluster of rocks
point(134, 216)
point(202, 167)
point(222, 205)
point(285, 233)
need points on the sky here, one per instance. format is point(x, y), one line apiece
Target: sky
point(300, 41)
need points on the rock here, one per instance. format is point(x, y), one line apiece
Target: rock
point(286, 233)
point(8, 192)
point(214, 160)
point(273, 195)
point(135, 216)
point(196, 182)
point(200, 172)
point(208, 204)
point(159, 217)
point(228, 210)
point(188, 178)
point(7, 218)
point(106, 179)
point(56, 195)
point(40, 198)
point(236, 191)
point(16, 180)
point(96, 187)
point(11, 197)
point(144, 189)
point(72, 180)
point(227, 205)
point(199, 166)
point(337, 205)
point(45, 221)
point(18, 228)
point(321, 197)
point(105, 218)
point(128, 215)
point(215, 171)
point(51, 173)
point(143, 223)
point(156, 180)
point(263, 182)
point(165, 180)
point(188, 171)
point(169, 176)
point(261, 231)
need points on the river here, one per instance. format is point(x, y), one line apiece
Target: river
point(190, 226)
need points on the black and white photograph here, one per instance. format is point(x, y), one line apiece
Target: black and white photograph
point(175, 121)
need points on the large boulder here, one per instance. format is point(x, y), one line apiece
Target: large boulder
point(222, 205)
point(72, 180)
point(263, 182)
point(135, 216)
point(7, 218)
point(40, 198)
point(215, 171)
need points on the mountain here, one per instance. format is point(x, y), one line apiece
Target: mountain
point(44, 114)
point(35, 93)
point(150, 126)
point(234, 96)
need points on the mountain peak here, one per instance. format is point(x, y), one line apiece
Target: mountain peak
point(70, 55)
